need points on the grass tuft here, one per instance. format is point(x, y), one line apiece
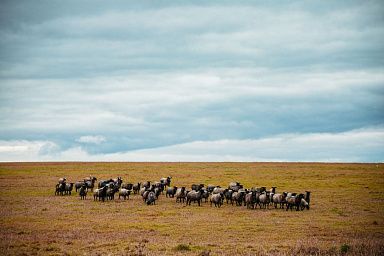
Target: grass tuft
point(182, 247)
point(344, 248)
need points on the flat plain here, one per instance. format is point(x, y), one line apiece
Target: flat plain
point(346, 214)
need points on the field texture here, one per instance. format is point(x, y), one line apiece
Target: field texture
point(346, 215)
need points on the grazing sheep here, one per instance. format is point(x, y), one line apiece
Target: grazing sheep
point(62, 180)
point(180, 194)
point(83, 192)
point(279, 199)
point(124, 193)
point(136, 188)
point(151, 198)
point(171, 191)
point(217, 199)
point(194, 196)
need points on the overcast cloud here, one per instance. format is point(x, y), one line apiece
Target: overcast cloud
point(192, 81)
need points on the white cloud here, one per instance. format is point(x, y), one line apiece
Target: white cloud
point(352, 146)
point(98, 139)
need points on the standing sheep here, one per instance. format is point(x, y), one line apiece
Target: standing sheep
point(250, 199)
point(136, 188)
point(180, 194)
point(83, 192)
point(194, 196)
point(124, 193)
point(151, 198)
point(279, 199)
point(217, 200)
point(264, 200)
point(171, 191)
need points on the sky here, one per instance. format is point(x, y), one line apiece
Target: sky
point(192, 81)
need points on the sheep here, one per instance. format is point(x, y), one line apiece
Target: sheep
point(279, 199)
point(160, 186)
point(136, 188)
point(307, 196)
point(264, 200)
point(79, 184)
point(127, 186)
point(250, 199)
point(157, 192)
point(124, 193)
point(218, 190)
point(197, 187)
point(62, 180)
point(205, 195)
point(100, 194)
point(111, 190)
point(142, 190)
point(166, 181)
point(194, 196)
point(228, 195)
point(235, 186)
point(83, 192)
point(60, 188)
point(151, 198)
point(68, 188)
point(294, 200)
point(217, 199)
point(180, 194)
point(304, 204)
point(90, 182)
point(272, 191)
point(103, 183)
point(210, 188)
point(238, 197)
point(146, 184)
point(171, 191)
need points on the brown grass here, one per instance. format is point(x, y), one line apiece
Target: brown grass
point(346, 215)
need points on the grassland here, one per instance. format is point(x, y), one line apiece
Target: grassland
point(346, 215)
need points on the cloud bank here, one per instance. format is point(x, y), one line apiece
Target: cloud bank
point(352, 146)
point(80, 80)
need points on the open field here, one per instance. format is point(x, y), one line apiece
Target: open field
point(346, 215)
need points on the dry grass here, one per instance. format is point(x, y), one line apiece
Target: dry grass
point(346, 215)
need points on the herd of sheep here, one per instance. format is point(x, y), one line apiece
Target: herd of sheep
point(235, 193)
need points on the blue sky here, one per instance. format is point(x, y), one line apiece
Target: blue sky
point(192, 81)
